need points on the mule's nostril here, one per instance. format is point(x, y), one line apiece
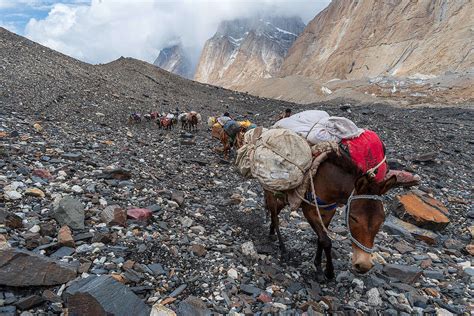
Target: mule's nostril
point(357, 266)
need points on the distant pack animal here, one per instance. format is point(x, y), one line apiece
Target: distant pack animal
point(228, 141)
point(134, 118)
point(154, 115)
point(183, 119)
point(165, 122)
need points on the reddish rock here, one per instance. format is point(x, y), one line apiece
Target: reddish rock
point(35, 192)
point(198, 250)
point(42, 173)
point(422, 211)
point(114, 215)
point(264, 297)
point(139, 214)
point(65, 237)
point(432, 292)
point(128, 264)
point(426, 263)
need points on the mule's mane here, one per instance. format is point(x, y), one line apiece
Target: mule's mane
point(344, 163)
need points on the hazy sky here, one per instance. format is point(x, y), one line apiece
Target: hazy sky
point(99, 31)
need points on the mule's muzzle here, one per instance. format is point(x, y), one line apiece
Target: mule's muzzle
point(361, 261)
point(363, 267)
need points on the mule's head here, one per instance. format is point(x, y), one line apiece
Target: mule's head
point(365, 218)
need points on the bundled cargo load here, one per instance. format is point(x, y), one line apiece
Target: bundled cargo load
point(317, 126)
point(281, 159)
point(245, 153)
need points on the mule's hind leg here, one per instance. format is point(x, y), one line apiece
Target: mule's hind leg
point(276, 222)
point(274, 205)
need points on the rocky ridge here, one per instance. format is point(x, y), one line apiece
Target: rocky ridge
point(411, 52)
point(356, 39)
point(244, 50)
point(175, 60)
point(160, 218)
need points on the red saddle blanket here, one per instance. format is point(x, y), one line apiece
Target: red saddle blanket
point(367, 151)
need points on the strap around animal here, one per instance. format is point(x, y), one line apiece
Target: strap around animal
point(371, 171)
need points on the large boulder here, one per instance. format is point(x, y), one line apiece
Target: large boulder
point(103, 295)
point(396, 226)
point(404, 273)
point(23, 268)
point(69, 211)
point(192, 306)
point(421, 210)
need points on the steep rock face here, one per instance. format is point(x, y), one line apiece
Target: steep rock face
point(175, 60)
point(245, 50)
point(352, 39)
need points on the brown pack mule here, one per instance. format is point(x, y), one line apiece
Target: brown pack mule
point(219, 133)
point(339, 182)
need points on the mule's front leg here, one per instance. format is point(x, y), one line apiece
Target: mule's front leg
point(274, 205)
point(327, 247)
point(318, 258)
point(324, 242)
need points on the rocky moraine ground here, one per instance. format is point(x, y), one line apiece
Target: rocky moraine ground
point(96, 215)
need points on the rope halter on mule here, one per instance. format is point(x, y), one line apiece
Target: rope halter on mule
point(347, 210)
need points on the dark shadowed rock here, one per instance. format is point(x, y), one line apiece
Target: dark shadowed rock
point(426, 157)
point(398, 227)
point(23, 268)
point(29, 302)
point(404, 273)
point(118, 174)
point(250, 289)
point(157, 269)
point(72, 156)
point(178, 197)
point(192, 306)
point(63, 251)
point(103, 295)
point(69, 211)
point(8, 310)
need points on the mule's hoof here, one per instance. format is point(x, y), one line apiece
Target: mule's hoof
point(329, 274)
point(273, 237)
point(320, 277)
point(284, 256)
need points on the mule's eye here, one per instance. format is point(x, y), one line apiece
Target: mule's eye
point(353, 218)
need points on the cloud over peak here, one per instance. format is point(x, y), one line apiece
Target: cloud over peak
point(104, 30)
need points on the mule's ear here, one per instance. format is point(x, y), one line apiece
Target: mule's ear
point(388, 184)
point(362, 184)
